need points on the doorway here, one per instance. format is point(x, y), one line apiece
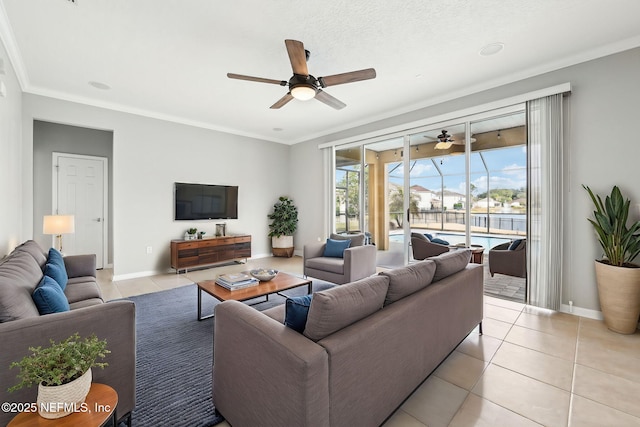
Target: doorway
point(80, 188)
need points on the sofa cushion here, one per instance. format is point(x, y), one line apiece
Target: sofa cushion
point(33, 249)
point(296, 312)
point(335, 248)
point(80, 290)
point(339, 307)
point(450, 262)
point(49, 298)
point(333, 265)
point(19, 276)
point(407, 280)
point(56, 273)
point(356, 239)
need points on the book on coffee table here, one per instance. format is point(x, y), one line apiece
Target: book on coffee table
point(235, 277)
point(236, 281)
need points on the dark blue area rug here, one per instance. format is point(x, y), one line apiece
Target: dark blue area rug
point(175, 356)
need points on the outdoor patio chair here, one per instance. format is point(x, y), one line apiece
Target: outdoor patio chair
point(423, 248)
point(509, 258)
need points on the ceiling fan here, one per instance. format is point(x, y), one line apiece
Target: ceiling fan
point(445, 141)
point(304, 86)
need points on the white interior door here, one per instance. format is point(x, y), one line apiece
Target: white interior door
point(80, 190)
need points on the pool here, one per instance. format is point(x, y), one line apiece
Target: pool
point(487, 242)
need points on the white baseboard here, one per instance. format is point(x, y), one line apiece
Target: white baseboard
point(582, 312)
point(136, 275)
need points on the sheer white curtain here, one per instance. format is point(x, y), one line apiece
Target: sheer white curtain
point(544, 236)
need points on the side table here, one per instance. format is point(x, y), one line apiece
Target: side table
point(477, 253)
point(100, 407)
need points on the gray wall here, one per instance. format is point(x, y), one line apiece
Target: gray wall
point(602, 150)
point(10, 159)
point(149, 155)
point(53, 137)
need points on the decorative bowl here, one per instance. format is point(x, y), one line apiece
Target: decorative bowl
point(264, 274)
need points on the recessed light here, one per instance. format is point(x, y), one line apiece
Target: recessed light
point(100, 86)
point(277, 129)
point(491, 49)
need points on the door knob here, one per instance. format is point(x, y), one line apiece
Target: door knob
point(98, 219)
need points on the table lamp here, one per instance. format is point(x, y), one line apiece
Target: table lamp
point(58, 225)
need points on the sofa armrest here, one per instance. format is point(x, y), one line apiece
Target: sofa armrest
point(265, 373)
point(359, 262)
point(113, 321)
point(313, 250)
point(80, 265)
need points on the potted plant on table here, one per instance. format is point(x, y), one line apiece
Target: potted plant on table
point(284, 222)
point(62, 372)
point(618, 279)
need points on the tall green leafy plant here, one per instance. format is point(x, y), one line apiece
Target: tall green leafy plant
point(284, 218)
point(619, 243)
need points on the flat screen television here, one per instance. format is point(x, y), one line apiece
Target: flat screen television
point(203, 201)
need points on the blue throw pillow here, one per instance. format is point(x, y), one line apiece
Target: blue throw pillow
point(296, 311)
point(429, 236)
point(59, 271)
point(439, 241)
point(56, 273)
point(335, 248)
point(49, 298)
point(514, 245)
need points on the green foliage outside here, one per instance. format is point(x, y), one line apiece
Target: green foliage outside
point(504, 195)
point(396, 205)
point(60, 363)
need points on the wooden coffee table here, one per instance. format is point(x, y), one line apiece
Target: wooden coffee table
point(281, 282)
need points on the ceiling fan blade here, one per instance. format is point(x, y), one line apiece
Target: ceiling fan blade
point(330, 100)
point(297, 56)
point(256, 79)
point(353, 76)
point(282, 101)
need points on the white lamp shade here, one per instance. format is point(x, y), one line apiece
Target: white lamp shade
point(58, 224)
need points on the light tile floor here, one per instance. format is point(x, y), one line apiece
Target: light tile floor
point(531, 367)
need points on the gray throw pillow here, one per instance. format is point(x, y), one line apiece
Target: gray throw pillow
point(407, 280)
point(339, 307)
point(450, 262)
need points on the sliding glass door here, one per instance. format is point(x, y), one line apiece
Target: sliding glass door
point(462, 182)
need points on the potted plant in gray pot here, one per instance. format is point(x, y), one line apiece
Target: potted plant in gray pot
point(284, 222)
point(618, 279)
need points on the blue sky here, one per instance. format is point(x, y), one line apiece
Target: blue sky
point(507, 169)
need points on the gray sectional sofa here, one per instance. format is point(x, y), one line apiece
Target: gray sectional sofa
point(21, 325)
point(365, 347)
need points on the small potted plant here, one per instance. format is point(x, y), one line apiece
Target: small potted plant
point(618, 279)
point(62, 372)
point(190, 234)
point(201, 234)
point(284, 222)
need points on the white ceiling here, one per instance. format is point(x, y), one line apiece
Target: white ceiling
point(168, 59)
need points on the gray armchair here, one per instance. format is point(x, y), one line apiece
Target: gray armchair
point(423, 248)
point(512, 262)
point(359, 261)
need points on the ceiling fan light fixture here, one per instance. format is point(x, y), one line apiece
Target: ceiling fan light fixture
point(303, 92)
point(443, 145)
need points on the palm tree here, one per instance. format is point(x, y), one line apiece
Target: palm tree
point(396, 204)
